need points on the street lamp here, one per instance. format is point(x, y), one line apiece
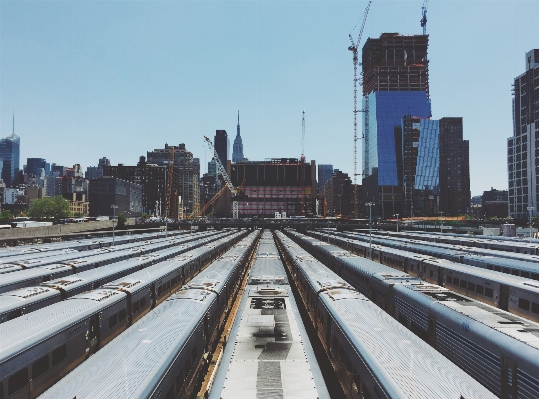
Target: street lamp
point(441, 223)
point(531, 208)
point(114, 207)
point(397, 222)
point(370, 204)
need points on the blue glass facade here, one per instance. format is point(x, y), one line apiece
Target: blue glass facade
point(9, 153)
point(324, 174)
point(386, 109)
point(427, 175)
point(34, 164)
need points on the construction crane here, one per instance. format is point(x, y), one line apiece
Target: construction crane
point(302, 163)
point(424, 16)
point(354, 49)
point(197, 210)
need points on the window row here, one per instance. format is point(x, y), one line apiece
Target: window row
point(479, 289)
point(20, 379)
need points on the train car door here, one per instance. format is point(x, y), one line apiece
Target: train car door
point(509, 379)
point(503, 302)
point(440, 276)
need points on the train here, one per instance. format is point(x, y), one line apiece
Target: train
point(268, 352)
point(164, 354)
point(41, 347)
point(489, 344)
point(373, 355)
point(515, 294)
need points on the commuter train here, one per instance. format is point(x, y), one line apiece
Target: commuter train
point(164, 354)
point(82, 245)
point(39, 348)
point(514, 294)
point(487, 343)
point(25, 300)
point(373, 355)
point(64, 266)
point(504, 244)
point(509, 263)
point(268, 354)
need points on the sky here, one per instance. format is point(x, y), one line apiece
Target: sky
point(88, 79)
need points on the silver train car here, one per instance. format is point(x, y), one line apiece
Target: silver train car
point(373, 355)
point(96, 257)
point(268, 354)
point(504, 244)
point(455, 325)
point(24, 300)
point(164, 353)
point(514, 294)
point(89, 325)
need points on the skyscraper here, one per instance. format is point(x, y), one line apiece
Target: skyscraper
point(222, 145)
point(395, 83)
point(523, 147)
point(10, 148)
point(35, 165)
point(324, 174)
point(237, 151)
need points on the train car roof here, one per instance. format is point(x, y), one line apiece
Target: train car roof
point(390, 350)
point(42, 323)
point(129, 365)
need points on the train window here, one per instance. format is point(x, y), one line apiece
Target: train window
point(471, 287)
point(525, 274)
point(431, 273)
point(449, 280)
point(463, 283)
point(524, 304)
point(506, 270)
point(515, 272)
point(455, 281)
point(159, 291)
point(59, 355)
point(14, 314)
point(489, 292)
point(497, 268)
point(40, 367)
point(535, 308)
point(113, 320)
point(143, 302)
point(535, 276)
point(122, 315)
point(17, 381)
point(479, 289)
point(365, 392)
point(135, 306)
point(489, 267)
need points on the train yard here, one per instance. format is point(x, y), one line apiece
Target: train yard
point(243, 313)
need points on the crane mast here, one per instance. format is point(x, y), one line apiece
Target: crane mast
point(354, 49)
point(302, 161)
point(424, 16)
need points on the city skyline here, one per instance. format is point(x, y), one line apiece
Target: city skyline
point(103, 70)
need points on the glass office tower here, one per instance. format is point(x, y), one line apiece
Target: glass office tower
point(10, 148)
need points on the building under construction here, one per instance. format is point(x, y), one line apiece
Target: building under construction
point(278, 185)
point(184, 189)
point(395, 84)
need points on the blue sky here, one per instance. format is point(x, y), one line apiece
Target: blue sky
point(89, 79)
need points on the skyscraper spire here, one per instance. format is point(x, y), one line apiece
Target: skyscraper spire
point(237, 149)
point(13, 122)
point(238, 134)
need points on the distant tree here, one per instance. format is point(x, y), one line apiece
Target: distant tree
point(49, 208)
point(535, 221)
point(5, 216)
point(122, 220)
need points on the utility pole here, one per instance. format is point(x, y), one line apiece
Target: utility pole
point(370, 204)
point(114, 207)
point(530, 209)
point(441, 223)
